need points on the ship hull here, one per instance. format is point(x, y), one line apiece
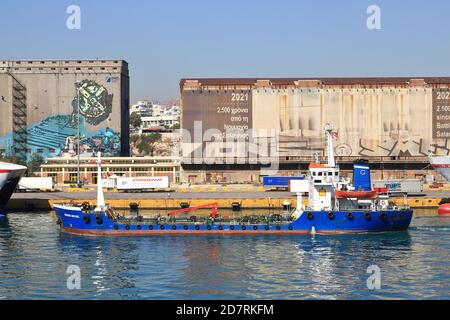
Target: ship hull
point(442, 165)
point(10, 176)
point(74, 221)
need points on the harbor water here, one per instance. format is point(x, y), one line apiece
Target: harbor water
point(35, 258)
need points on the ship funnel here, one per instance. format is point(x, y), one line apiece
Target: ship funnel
point(361, 176)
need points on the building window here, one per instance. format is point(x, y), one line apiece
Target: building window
point(73, 177)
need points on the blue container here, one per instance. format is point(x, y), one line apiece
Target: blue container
point(279, 181)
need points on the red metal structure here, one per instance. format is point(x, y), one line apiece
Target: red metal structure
point(356, 194)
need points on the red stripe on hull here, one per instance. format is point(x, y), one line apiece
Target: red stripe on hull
point(440, 165)
point(5, 171)
point(126, 233)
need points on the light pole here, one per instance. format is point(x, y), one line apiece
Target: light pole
point(78, 134)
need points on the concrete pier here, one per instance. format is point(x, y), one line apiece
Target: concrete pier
point(166, 200)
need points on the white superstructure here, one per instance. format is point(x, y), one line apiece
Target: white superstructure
point(10, 175)
point(442, 165)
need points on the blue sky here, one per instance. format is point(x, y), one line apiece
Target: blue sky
point(167, 40)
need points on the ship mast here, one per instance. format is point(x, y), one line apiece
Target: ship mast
point(100, 196)
point(330, 152)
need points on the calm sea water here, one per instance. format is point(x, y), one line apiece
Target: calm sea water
point(35, 255)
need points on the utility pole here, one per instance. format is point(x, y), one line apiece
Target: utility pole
point(78, 135)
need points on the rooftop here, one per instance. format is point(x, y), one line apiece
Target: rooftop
point(305, 81)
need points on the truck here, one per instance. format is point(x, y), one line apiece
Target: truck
point(279, 182)
point(35, 184)
point(401, 186)
point(140, 184)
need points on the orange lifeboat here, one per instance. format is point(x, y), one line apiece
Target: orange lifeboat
point(356, 194)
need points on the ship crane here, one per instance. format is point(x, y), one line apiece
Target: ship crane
point(214, 206)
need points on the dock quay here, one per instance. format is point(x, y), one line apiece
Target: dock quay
point(173, 200)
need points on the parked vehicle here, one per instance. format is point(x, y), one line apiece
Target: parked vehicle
point(36, 184)
point(279, 182)
point(140, 184)
point(399, 186)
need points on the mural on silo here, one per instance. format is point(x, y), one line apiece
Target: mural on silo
point(95, 103)
point(56, 135)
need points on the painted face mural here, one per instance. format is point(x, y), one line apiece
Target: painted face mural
point(95, 102)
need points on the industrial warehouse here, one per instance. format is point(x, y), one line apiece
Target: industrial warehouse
point(47, 104)
point(394, 123)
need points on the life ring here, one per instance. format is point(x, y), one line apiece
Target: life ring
point(350, 216)
point(367, 216)
point(255, 228)
point(278, 228)
point(220, 228)
point(197, 228)
point(162, 227)
point(331, 215)
point(174, 227)
point(232, 227)
point(244, 228)
point(310, 216)
point(208, 227)
point(139, 227)
point(185, 227)
point(150, 227)
point(267, 228)
point(291, 228)
point(127, 227)
point(116, 227)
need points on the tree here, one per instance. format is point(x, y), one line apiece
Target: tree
point(146, 144)
point(176, 126)
point(135, 120)
point(35, 163)
point(9, 159)
point(134, 139)
point(165, 147)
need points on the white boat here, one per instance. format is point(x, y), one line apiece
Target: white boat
point(441, 165)
point(10, 175)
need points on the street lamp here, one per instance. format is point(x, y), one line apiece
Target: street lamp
point(78, 86)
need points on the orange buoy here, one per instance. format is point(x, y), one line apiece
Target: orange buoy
point(444, 210)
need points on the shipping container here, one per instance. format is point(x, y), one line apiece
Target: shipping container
point(400, 186)
point(279, 182)
point(139, 184)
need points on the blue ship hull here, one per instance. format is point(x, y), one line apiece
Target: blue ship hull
point(73, 220)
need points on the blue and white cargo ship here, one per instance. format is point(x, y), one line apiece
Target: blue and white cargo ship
point(334, 207)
